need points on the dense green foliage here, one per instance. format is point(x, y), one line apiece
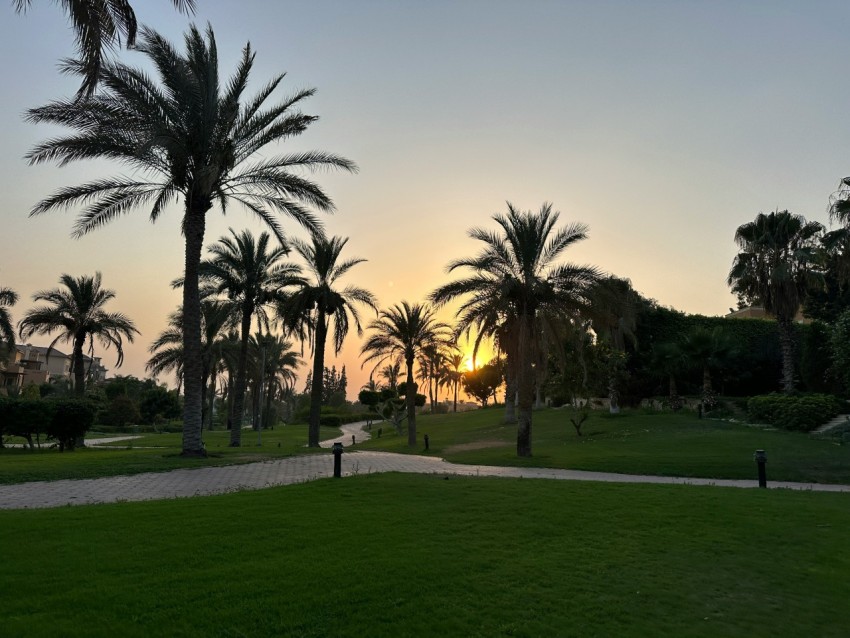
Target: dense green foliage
point(63, 419)
point(794, 412)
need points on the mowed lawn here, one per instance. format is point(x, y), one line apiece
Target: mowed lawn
point(151, 453)
point(400, 555)
point(634, 442)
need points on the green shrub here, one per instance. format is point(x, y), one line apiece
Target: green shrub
point(794, 412)
point(330, 420)
point(72, 418)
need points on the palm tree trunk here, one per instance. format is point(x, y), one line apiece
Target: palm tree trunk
point(786, 343)
point(318, 379)
point(411, 405)
point(510, 391)
point(211, 395)
point(241, 378)
point(79, 366)
point(455, 382)
point(193, 228)
point(79, 377)
point(706, 381)
point(525, 383)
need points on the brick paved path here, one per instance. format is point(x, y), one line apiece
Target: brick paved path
point(297, 469)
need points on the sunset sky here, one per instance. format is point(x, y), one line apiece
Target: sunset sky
point(661, 125)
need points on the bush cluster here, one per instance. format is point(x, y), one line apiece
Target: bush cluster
point(63, 420)
point(803, 412)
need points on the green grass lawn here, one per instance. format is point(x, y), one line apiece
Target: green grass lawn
point(19, 465)
point(631, 443)
point(401, 555)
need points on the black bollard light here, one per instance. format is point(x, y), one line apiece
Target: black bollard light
point(337, 452)
point(427, 442)
point(353, 440)
point(761, 459)
point(380, 432)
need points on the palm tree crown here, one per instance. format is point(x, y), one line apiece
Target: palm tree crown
point(775, 267)
point(8, 298)
point(249, 272)
point(76, 312)
point(317, 302)
point(400, 334)
point(98, 26)
point(189, 136)
point(515, 283)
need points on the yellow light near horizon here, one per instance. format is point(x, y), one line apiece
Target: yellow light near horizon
point(469, 364)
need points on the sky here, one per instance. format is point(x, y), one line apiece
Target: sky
point(663, 126)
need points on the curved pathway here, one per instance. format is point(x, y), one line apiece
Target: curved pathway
point(298, 469)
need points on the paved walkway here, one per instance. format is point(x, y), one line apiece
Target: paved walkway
point(298, 469)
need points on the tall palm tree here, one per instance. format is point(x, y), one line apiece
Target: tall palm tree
point(515, 279)
point(776, 266)
point(100, 25)
point(251, 275)
point(432, 361)
point(8, 298)
point(399, 335)
point(317, 303)
point(77, 313)
point(187, 135)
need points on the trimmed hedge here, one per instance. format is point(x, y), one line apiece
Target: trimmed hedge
point(794, 412)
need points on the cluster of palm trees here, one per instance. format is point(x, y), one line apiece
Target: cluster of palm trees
point(75, 313)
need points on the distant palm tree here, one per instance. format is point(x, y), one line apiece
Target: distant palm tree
point(316, 303)
point(706, 350)
point(775, 268)
point(8, 298)
point(76, 313)
point(391, 373)
point(167, 349)
point(249, 273)
point(273, 369)
point(399, 335)
point(187, 135)
point(516, 282)
point(454, 374)
point(100, 25)
point(613, 312)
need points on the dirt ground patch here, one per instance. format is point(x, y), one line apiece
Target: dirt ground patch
point(474, 445)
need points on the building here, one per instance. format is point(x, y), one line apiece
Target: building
point(34, 364)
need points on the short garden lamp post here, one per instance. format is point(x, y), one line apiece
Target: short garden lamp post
point(761, 458)
point(337, 452)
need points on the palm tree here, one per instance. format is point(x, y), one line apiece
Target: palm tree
point(515, 280)
point(613, 317)
point(250, 274)
point(8, 298)
point(100, 25)
point(76, 313)
point(190, 136)
point(706, 350)
point(399, 335)
point(432, 370)
point(167, 349)
point(317, 302)
point(454, 374)
point(775, 268)
point(274, 365)
point(390, 373)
